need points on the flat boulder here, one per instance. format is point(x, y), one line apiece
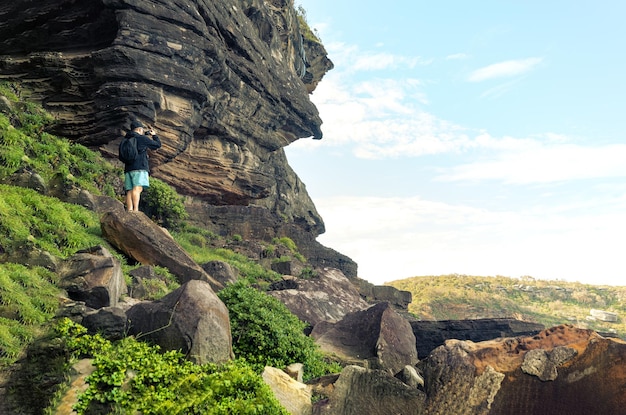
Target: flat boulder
point(149, 244)
point(191, 319)
point(378, 337)
point(327, 297)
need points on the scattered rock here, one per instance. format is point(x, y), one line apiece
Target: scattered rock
point(327, 297)
point(110, 322)
point(221, 271)
point(93, 276)
point(293, 395)
point(373, 392)
point(191, 319)
point(378, 337)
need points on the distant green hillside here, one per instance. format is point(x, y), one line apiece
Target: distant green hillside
point(548, 302)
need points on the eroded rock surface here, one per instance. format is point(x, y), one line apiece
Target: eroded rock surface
point(327, 297)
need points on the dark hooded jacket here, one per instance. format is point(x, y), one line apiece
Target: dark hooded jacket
point(144, 142)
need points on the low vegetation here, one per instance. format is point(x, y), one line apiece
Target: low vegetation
point(547, 302)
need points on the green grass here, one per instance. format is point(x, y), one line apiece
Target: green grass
point(29, 299)
point(28, 218)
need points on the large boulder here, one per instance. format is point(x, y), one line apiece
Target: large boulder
point(143, 240)
point(94, 277)
point(191, 319)
point(379, 337)
point(327, 297)
point(561, 371)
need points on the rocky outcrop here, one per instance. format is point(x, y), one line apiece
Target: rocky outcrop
point(141, 239)
point(562, 370)
point(225, 83)
point(191, 319)
point(327, 297)
point(432, 334)
point(377, 338)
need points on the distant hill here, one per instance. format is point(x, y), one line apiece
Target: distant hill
point(450, 297)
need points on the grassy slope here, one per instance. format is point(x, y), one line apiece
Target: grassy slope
point(543, 301)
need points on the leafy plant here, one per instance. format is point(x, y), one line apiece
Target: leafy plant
point(266, 333)
point(161, 203)
point(134, 377)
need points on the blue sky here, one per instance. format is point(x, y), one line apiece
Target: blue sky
point(480, 138)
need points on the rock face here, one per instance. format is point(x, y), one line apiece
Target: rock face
point(378, 337)
point(225, 83)
point(191, 319)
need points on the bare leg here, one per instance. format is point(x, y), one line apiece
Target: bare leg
point(129, 200)
point(136, 194)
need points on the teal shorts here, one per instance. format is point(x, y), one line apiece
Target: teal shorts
point(136, 178)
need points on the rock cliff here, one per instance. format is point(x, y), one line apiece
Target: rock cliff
point(224, 83)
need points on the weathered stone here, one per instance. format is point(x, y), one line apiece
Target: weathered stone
point(221, 271)
point(327, 297)
point(110, 322)
point(294, 396)
point(544, 363)
point(399, 299)
point(591, 375)
point(432, 334)
point(28, 179)
point(409, 375)
point(359, 391)
point(30, 256)
point(191, 319)
point(378, 336)
point(141, 239)
point(295, 371)
point(93, 276)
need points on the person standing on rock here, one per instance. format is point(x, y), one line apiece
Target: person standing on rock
point(136, 172)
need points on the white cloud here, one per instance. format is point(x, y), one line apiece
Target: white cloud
point(456, 56)
point(545, 163)
point(504, 69)
point(393, 238)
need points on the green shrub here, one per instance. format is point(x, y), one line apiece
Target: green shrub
point(266, 333)
point(133, 377)
point(162, 204)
